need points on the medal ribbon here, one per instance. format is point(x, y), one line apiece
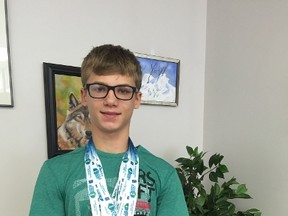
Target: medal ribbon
point(124, 196)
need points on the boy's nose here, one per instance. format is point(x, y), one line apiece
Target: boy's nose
point(110, 98)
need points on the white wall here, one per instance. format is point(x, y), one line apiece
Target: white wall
point(63, 32)
point(246, 96)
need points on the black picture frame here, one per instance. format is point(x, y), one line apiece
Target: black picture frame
point(51, 72)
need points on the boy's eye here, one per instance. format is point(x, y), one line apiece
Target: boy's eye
point(124, 90)
point(99, 89)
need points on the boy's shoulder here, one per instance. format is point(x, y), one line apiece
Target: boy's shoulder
point(148, 158)
point(66, 159)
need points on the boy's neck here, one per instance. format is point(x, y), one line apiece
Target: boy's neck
point(111, 143)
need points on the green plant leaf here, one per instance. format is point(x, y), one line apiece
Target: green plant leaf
point(189, 150)
point(232, 181)
point(200, 200)
point(183, 160)
point(219, 173)
point(215, 160)
point(222, 199)
point(216, 189)
point(231, 208)
point(252, 212)
point(223, 168)
point(200, 168)
point(243, 196)
point(241, 189)
point(213, 177)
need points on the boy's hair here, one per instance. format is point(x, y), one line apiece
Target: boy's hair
point(110, 59)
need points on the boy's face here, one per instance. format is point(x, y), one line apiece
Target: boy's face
point(110, 115)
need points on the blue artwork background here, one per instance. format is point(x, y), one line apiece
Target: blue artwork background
point(171, 71)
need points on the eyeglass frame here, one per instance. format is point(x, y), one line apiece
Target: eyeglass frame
point(134, 90)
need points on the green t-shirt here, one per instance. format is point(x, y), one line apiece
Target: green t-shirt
point(61, 188)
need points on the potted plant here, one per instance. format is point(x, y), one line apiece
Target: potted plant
point(192, 171)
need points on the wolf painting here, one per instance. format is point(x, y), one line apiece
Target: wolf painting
point(74, 131)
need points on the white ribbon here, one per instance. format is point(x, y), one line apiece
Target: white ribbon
point(124, 196)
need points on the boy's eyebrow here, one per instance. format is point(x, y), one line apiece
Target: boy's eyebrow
point(103, 83)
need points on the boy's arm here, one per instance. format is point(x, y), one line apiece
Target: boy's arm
point(171, 201)
point(47, 198)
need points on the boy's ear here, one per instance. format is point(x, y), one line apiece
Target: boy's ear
point(83, 96)
point(137, 102)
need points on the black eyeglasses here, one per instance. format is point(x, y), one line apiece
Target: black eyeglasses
point(100, 91)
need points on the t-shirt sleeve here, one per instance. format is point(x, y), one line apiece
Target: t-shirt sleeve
point(171, 200)
point(47, 198)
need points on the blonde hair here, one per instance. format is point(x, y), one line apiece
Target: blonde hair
point(110, 59)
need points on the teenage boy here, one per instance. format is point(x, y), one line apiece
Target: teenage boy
point(109, 176)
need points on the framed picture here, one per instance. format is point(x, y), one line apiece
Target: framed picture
point(6, 89)
point(67, 120)
point(160, 79)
